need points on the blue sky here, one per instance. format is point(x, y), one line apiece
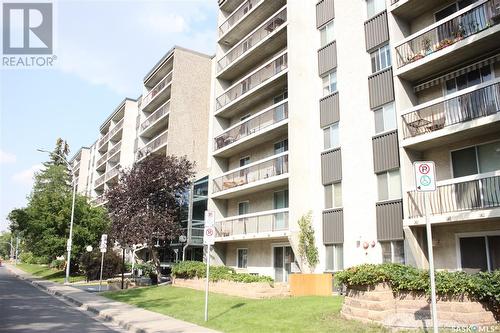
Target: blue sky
point(104, 49)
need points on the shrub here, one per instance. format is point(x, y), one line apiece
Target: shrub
point(30, 258)
point(58, 264)
point(401, 278)
point(90, 264)
point(197, 269)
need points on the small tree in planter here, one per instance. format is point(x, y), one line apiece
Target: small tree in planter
point(308, 251)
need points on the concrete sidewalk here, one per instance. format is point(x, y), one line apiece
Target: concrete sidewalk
point(126, 316)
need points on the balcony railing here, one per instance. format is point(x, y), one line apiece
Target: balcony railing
point(103, 140)
point(273, 68)
point(463, 194)
point(263, 31)
point(99, 181)
point(77, 166)
point(160, 112)
point(112, 132)
point(470, 105)
point(153, 145)
point(274, 166)
point(98, 200)
point(113, 172)
point(252, 125)
point(115, 149)
point(102, 159)
point(241, 11)
point(156, 89)
point(276, 220)
point(464, 23)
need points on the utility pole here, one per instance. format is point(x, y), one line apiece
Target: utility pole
point(17, 249)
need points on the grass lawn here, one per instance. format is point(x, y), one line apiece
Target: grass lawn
point(44, 272)
point(235, 314)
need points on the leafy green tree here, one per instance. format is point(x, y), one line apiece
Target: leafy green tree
point(5, 244)
point(307, 244)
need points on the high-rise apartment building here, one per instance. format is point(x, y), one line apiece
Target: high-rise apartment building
point(322, 107)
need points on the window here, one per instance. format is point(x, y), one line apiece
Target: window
point(333, 195)
point(280, 97)
point(448, 10)
point(334, 257)
point(389, 185)
point(327, 33)
point(479, 253)
point(242, 258)
point(381, 58)
point(477, 159)
point(244, 161)
point(281, 146)
point(477, 76)
point(330, 83)
point(331, 136)
point(245, 117)
point(243, 207)
point(385, 118)
point(393, 252)
point(374, 7)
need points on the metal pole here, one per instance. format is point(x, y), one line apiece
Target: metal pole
point(17, 249)
point(123, 266)
point(11, 249)
point(70, 239)
point(431, 264)
point(190, 222)
point(206, 283)
point(100, 276)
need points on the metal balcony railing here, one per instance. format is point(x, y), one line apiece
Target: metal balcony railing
point(463, 194)
point(470, 105)
point(157, 114)
point(462, 24)
point(76, 166)
point(241, 11)
point(115, 149)
point(274, 166)
point(103, 140)
point(100, 180)
point(112, 132)
point(102, 159)
point(269, 221)
point(271, 69)
point(97, 201)
point(156, 89)
point(153, 145)
point(113, 172)
point(262, 32)
point(252, 125)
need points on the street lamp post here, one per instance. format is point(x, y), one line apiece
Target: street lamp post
point(70, 238)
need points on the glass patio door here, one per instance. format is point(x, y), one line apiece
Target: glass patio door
point(280, 201)
point(283, 259)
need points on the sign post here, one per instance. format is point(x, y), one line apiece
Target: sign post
point(425, 180)
point(208, 240)
point(103, 247)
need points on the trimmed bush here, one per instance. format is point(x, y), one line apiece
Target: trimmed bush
point(30, 258)
point(401, 278)
point(90, 264)
point(58, 264)
point(197, 269)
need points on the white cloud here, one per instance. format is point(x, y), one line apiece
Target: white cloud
point(6, 157)
point(161, 24)
point(25, 177)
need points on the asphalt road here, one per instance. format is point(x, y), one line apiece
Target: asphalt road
point(25, 308)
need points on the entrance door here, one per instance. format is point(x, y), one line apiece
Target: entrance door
point(283, 259)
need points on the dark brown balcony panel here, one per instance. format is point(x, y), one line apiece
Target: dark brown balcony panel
point(389, 220)
point(329, 109)
point(324, 12)
point(480, 193)
point(333, 226)
point(385, 151)
point(376, 31)
point(327, 58)
point(331, 166)
point(381, 88)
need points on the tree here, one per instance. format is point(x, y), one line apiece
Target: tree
point(5, 239)
point(307, 244)
point(145, 204)
point(44, 223)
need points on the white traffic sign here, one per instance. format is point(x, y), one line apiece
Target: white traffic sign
point(209, 235)
point(104, 243)
point(425, 176)
point(209, 217)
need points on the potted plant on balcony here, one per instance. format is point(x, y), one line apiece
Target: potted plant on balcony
point(309, 283)
point(459, 33)
point(444, 43)
point(426, 46)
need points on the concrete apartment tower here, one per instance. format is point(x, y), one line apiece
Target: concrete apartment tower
point(80, 163)
point(322, 107)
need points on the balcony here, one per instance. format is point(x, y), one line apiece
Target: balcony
point(409, 10)
point(102, 161)
point(237, 15)
point(151, 101)
point(268, 224)
point(264, 174)
point(441, 45)
point(153, 146)
point(475, 109)
point(250, 132)
point(98, 201)
point(264, 41)
point(113, 151)
point(76, 166)
point(100, 181)
point(102, 141)
point(153, 123)
point(244, 91)
point(111, 174)
point(458, 199)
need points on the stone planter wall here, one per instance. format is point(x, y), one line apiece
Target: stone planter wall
point(379, 304)
point(247, 290)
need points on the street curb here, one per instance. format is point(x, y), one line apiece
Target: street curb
point(49, 286)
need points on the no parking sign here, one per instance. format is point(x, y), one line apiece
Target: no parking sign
point(425, 176)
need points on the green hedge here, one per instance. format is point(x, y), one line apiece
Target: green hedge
point(197, 269)
point(401, 278)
